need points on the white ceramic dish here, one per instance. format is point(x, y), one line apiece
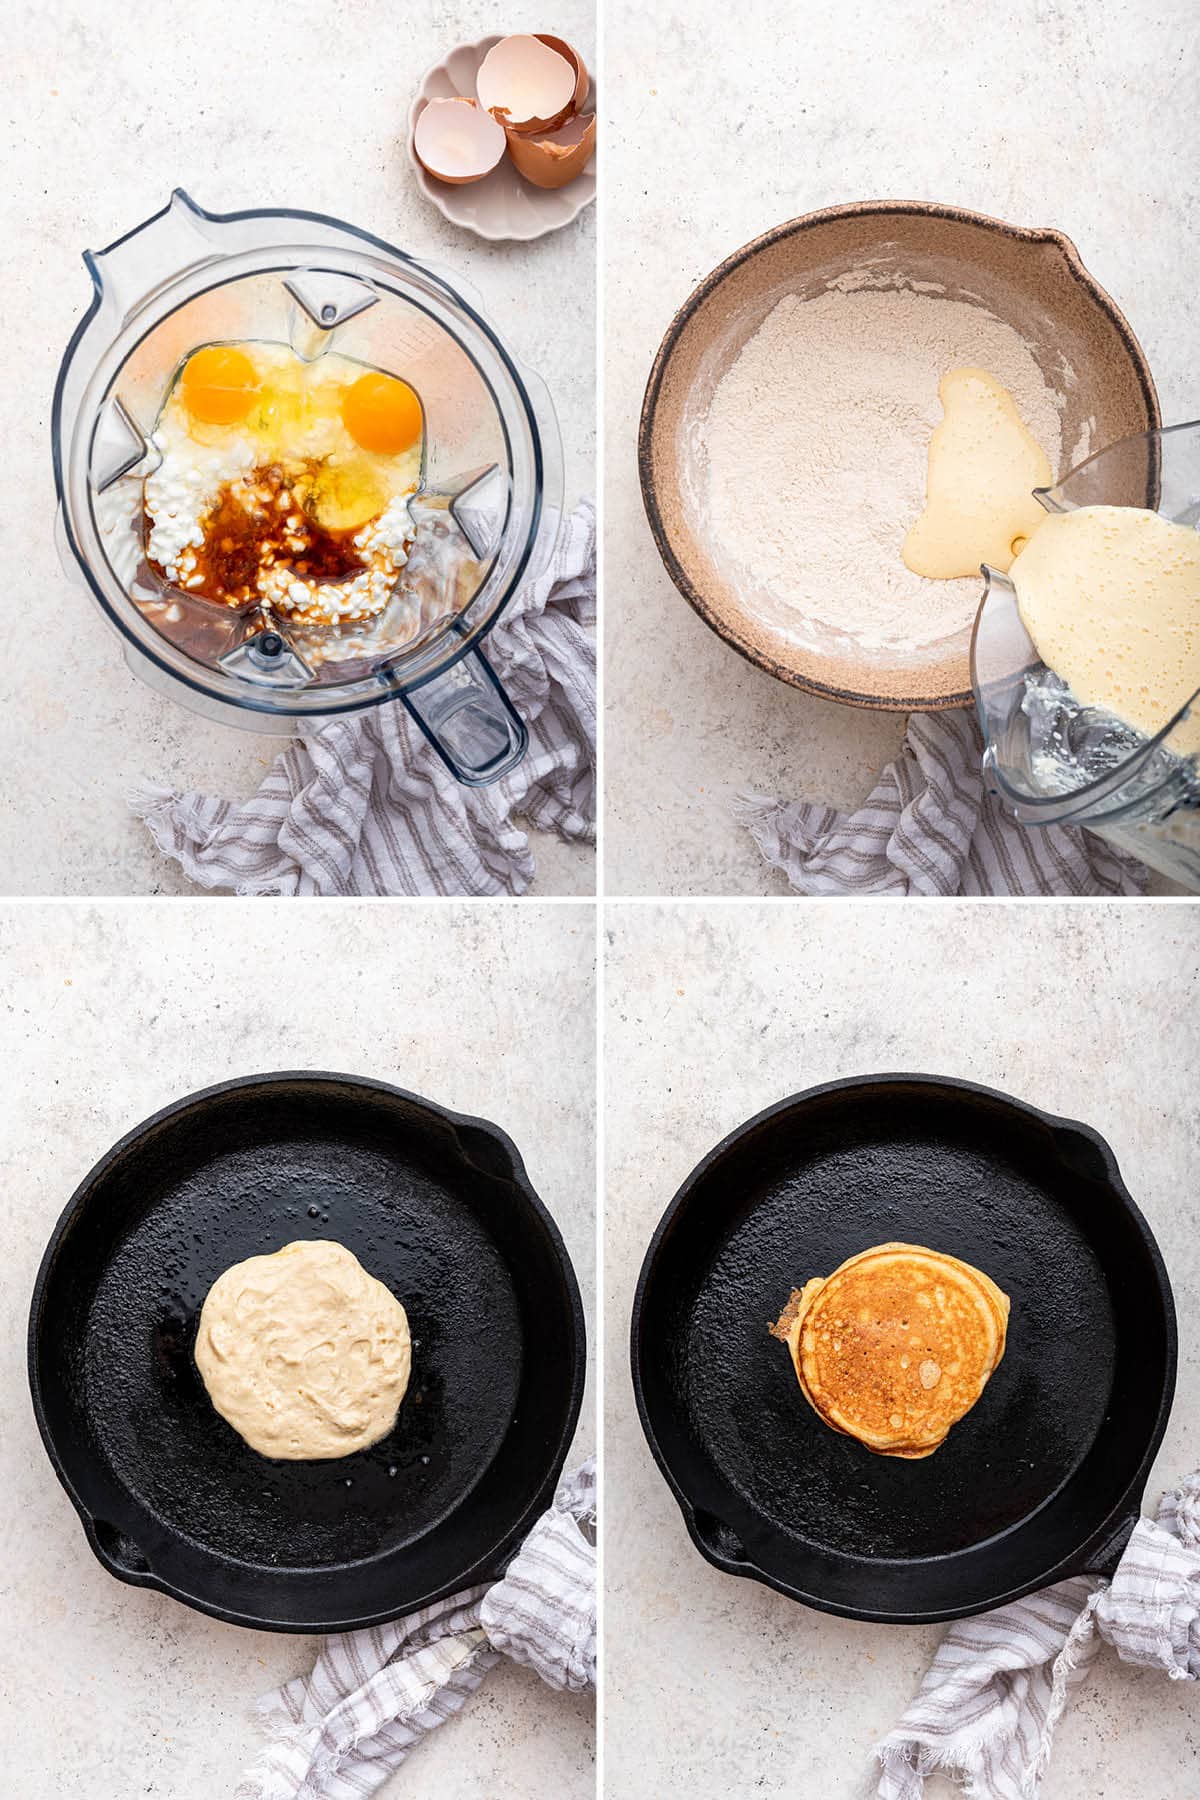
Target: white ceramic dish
point(503, 207)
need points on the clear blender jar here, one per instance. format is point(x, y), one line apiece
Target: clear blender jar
point(485, 510)
point(1053, 761)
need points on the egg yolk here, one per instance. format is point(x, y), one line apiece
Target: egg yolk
point(219, 384)
point(382, 414)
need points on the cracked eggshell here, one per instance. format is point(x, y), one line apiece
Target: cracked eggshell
point(457, 142)
point(582, 78)
point(526, 85)
point(552, 160)
point(505, 208)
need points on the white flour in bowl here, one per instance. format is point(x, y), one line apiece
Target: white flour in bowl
point(816, 442)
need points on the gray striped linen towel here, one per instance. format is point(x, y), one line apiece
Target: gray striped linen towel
point(341, 1731)
point(364, 806)
point(993, 1694)
point(930, 827)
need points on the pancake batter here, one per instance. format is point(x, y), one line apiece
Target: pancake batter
point(303, 1353)
point(983, 467)
point(1111, 597)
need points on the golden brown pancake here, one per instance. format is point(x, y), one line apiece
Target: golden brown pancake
point(896, 1345)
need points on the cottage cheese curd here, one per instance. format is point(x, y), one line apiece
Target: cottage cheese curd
point(263, 493)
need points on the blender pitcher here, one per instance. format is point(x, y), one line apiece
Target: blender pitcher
point(1053, 761)
point(485, 511)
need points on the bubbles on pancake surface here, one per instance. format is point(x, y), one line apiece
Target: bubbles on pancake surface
point(867, 1374)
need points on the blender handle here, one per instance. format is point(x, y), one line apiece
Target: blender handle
point(469, 720)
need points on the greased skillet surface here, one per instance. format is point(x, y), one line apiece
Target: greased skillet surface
point(1014, 1448)
point(438, 1206)
point(1046, 1471)
point(406, 1225)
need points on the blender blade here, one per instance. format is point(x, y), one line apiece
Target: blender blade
point(268, 657)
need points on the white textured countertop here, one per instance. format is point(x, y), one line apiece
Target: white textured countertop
point(717, 1686)
point(107, 111)
point(116, 1693)
point(723, 125)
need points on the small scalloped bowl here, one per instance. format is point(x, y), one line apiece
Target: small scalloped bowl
point(1032, 279)
point(502, 207)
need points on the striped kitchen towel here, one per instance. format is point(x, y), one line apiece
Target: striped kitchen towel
point(339, 1732)
point(364, 806)
point(987, 1708)
point(931, 827)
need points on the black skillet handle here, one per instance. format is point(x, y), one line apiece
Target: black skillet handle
point(1104, 1558)
point(718, 1541)
point(119, 1554)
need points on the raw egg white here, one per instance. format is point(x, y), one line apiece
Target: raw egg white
point(284, 481)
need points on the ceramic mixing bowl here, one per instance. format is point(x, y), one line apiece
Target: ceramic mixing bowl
point(1033, 280)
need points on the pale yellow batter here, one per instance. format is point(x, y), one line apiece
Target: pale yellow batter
point(304, 1353)
point(983, 466)
point(1111, 597)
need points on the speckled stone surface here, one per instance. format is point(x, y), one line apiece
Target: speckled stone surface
point(716, 1686)
point(109, 1012)
point(1032, 111)
point(305, 106)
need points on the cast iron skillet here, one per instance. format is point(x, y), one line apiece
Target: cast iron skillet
point(1043, 1478)
point(439, 1207)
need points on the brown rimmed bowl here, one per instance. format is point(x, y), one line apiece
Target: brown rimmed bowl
point(1034, 280)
